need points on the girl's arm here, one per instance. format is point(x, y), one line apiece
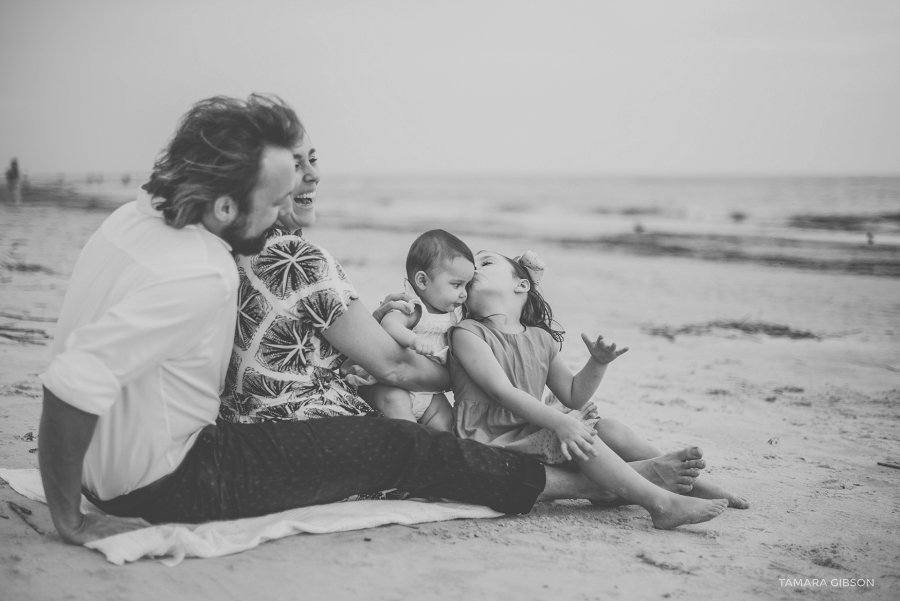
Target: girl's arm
point(573, 390)
point(478, 360)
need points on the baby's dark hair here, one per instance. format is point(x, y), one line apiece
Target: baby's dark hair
point(536, 312)
point(430, 250)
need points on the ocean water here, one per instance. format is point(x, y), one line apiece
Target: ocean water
point(840, 210)
point(829, 209)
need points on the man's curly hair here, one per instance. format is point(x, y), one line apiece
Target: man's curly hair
point(216, 151)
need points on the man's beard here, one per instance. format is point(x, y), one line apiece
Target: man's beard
point(233, 234)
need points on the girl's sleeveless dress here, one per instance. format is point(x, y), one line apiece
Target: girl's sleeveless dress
point(525, 358)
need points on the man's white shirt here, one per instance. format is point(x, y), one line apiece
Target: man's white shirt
point(143, 341)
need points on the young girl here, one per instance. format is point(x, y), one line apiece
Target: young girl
point(501, 360)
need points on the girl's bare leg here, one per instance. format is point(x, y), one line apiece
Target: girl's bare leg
point(678, 472)
point(667, 510)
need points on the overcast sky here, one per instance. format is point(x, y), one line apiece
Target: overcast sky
point(520, 87)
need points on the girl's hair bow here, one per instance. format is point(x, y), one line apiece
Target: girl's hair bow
point(533, 264)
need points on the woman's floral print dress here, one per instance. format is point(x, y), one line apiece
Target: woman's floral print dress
point(282, 368)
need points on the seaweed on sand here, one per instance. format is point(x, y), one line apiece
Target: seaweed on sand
point(850, 223)
point(747, 327)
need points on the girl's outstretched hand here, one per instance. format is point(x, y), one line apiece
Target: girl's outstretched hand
point(600, 352)
point(576, 438)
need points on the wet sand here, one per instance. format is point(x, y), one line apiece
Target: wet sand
point(797, 425)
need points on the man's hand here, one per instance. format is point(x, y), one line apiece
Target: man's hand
point(393, 302)
point(575, 437)
point(95, 526)
point(600, 352)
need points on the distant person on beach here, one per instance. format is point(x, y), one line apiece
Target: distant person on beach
point(144, 342)
point(504, 355)
point(14, 181)
point(439, 266)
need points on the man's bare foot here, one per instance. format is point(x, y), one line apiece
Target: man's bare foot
point(678, 511)
point(704, 489)
point(676, 472)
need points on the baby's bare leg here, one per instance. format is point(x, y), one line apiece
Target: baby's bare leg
point(392, 402)
point(439, 414)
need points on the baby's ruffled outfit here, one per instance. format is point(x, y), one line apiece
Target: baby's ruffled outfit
point(430, 325)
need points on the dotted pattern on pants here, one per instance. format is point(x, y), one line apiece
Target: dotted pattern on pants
point(245, 470)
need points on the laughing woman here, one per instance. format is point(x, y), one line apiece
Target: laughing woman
point(299, 318)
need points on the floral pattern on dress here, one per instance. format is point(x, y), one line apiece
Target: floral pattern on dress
point(285, 346)
point(289, 265)
point(252, 309)
point(260, 385)
point(282, 367)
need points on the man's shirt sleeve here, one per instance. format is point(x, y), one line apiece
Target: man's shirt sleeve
point(158, 322)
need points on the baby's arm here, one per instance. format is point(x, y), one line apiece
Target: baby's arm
point(478, 360)
point(398, 326)
point(573, 390)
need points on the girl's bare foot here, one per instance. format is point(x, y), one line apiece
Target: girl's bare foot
point(704, 489)
point(677, 511)
point(676, 472)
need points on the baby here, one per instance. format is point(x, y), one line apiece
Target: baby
point(438, 268)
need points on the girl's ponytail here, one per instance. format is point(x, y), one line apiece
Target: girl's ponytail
point(536, 312)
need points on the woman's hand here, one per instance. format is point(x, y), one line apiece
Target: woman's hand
point(575, 437)
point(600, 352)
point(396, 301)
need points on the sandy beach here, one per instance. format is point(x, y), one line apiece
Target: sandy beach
point(787, 377)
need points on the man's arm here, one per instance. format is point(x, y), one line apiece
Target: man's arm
point(63, 440)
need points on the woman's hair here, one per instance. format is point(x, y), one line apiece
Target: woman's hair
point(216, 151)
point(430, 250)
point(536, 312)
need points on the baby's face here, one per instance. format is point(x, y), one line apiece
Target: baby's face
point(447, 289)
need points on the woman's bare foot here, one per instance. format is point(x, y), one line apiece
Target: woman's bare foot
point(678, 511)
point(704, 489)
point(676, 472)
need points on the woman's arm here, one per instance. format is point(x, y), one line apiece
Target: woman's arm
point(356, 334)
point(478, 360)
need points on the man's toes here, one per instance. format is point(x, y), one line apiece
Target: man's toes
point(698, 464)
point(683, 489)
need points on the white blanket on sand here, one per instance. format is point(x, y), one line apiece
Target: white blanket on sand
point(214, 539)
